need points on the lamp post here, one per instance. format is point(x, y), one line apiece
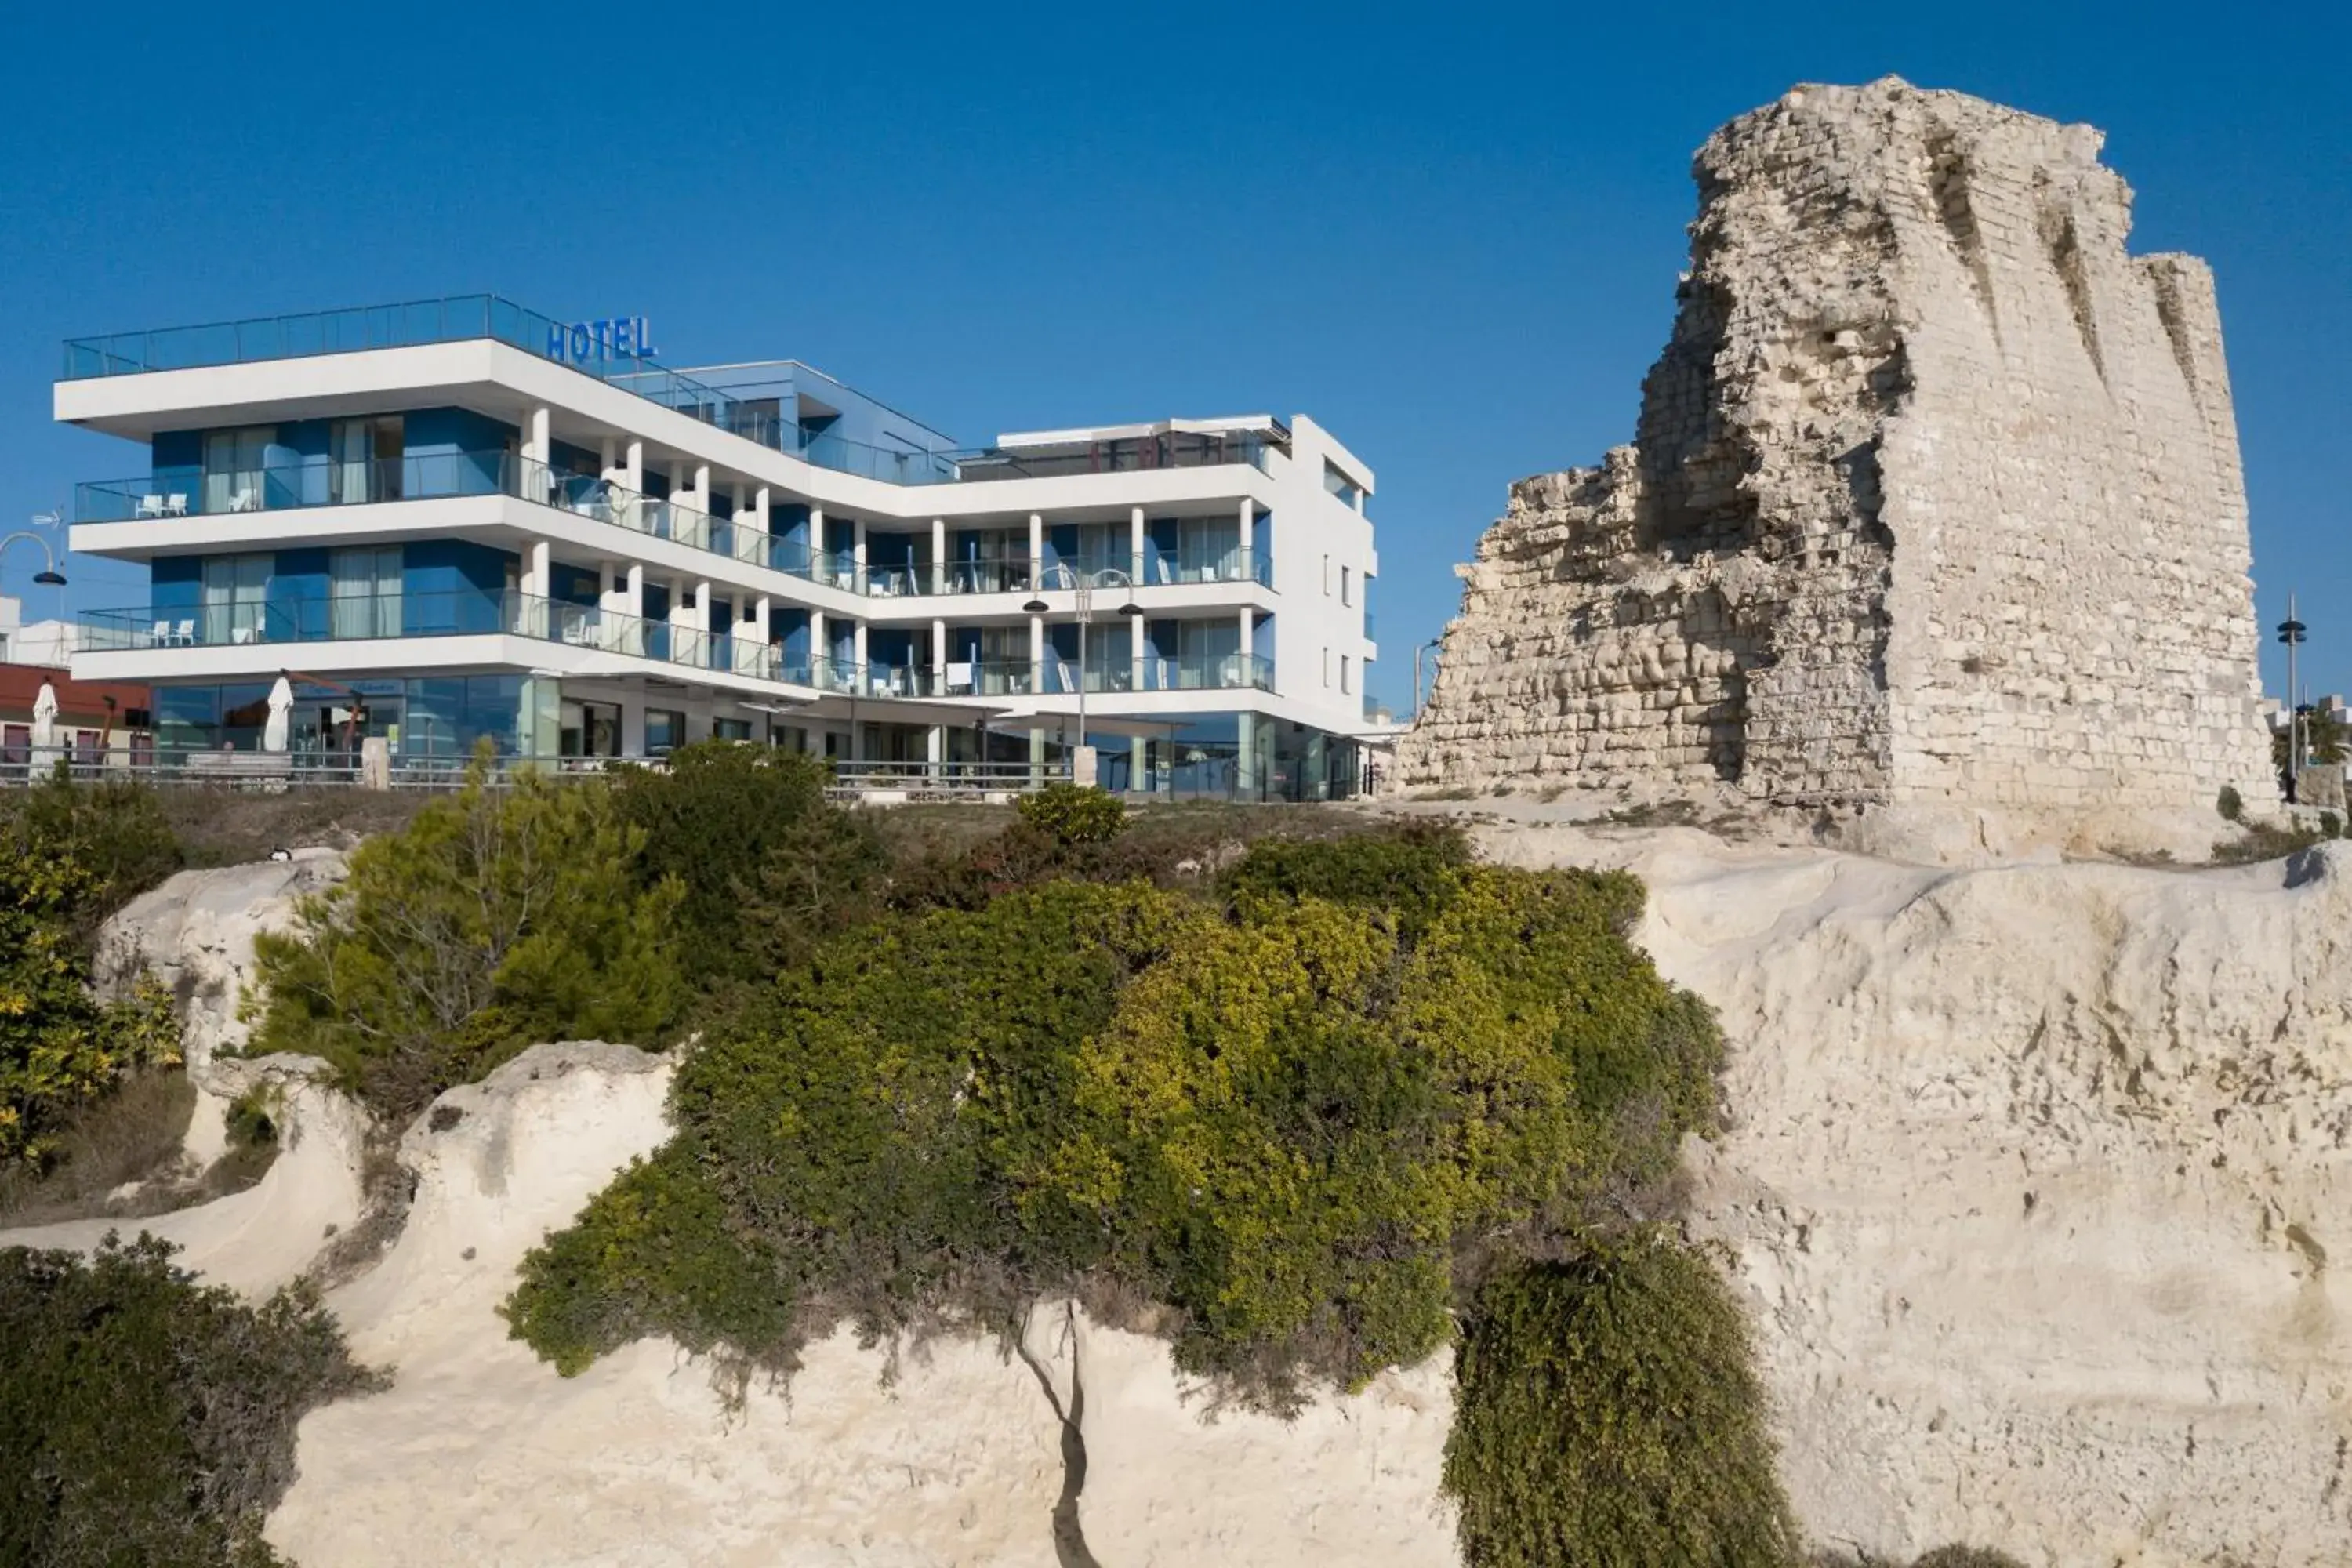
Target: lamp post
point(48, 576)
point(1082, 587)
point(2290, 632)
point(1423, 649)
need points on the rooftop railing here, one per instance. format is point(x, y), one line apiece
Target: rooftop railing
point(465, 318)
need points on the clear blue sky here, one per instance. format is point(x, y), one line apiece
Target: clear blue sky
point(1450, 233)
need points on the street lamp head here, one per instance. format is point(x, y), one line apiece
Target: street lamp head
point(1130, 608)
point(51, 579)
point(1037, 606)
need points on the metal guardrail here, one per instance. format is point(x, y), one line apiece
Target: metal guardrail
point(274, 772)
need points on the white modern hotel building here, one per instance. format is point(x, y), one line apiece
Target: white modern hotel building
point(458, 519)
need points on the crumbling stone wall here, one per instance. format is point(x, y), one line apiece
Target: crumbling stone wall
point(1935, 497)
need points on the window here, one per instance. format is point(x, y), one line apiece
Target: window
point(1326, 576)
point(366, 459)
point(1343, 673)
point(233, 460)
point(589, 728)
point(363, 592)
point(1327, 665)
point(236, 588)
point(731, 729)
point(1344, 597)
point(664, 731)
point(1341, 486)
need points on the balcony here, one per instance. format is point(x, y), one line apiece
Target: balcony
point(1221, 672)
point(364, 616)
point(322, 482)
point(468, 318)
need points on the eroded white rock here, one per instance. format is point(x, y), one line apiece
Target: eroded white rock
point(2037, 1186)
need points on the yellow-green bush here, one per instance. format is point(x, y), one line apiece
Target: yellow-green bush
point(59, 1048)
point(1074, 814)
point(502, 916)
point(1607, 1412)
point(1300, 1129)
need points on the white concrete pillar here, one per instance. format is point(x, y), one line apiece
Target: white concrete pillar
point(939, 555)
point(935, 747)
point(858, 653)
point(756, 550)
point(1036, 549)
point(634, 600)
point(1248, 516)
point(820, 566)
point(857, 545)
point(1135, 544)
point(608, 454)
point(940, 654)
point(633, 724)
point(536, 439)
point(819, 649)
point(1134, 651)
point(702, 486)
point(1037, 653)
point(633, 478)
point(535, 568)
point(1249, 629)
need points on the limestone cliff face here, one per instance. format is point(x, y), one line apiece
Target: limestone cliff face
point(1935, 497)
point(2037, 1184)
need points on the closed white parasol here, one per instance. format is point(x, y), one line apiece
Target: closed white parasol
point(45, 718)
point(281, 707)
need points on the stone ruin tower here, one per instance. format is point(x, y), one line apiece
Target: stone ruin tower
point(1935, 499)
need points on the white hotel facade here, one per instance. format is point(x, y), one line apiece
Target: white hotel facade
point(458, 519)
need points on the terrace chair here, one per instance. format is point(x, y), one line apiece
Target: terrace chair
point(244, 500)
point(175, 504)
point(162, 636)
point(150, 506)
point(184, 634)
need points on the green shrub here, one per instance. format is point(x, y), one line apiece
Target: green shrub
point(1074, 814)
point(861, 1153)
point(1967, 1557)
point(145, 1418)
point(113, 833)
point(1607, 1413)
point(1414, 870)
point(61, 1049)
point(2331, 826)
point(500, 917)
point(1299, 1133)
point(2230, 804)
point(253, 1117)
point(768, 865)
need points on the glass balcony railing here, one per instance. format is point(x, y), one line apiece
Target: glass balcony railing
point(465, 318)
point(1223, 672)
point(1230, 564)
point(989, 677)
point(343, 618)
point(318, 482)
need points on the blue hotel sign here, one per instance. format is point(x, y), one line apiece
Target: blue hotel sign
point(616, 337)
